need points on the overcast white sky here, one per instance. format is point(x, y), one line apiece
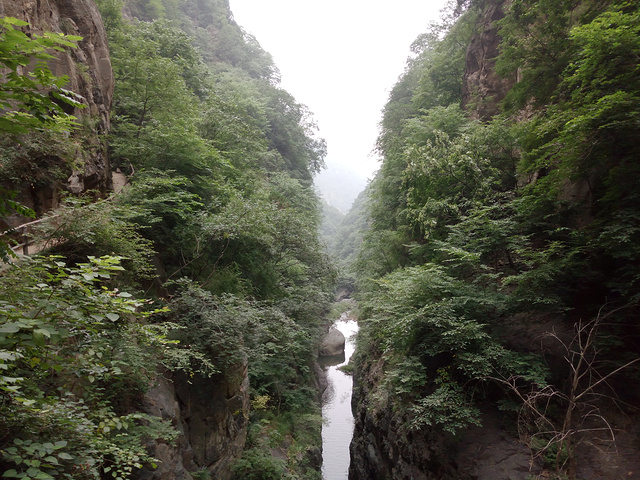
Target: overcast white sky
point(340, 58)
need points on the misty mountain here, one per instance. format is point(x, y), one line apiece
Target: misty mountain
point(339, 186)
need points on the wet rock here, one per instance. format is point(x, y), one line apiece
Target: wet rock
point(332, 343)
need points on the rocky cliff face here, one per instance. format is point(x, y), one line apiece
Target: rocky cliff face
point(385, 447)
point(211, 415)
point(482, 88)
point(382, 446)
point(84, 165)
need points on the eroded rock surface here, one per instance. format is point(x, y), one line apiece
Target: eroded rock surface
point(212, 416)
point(482, 87)
point(385, 446)
point(90, 76)
point(332, 343)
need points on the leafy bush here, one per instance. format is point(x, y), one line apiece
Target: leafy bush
point(64, 337)
point(80, 227)
point(222, 331)
point(23, 94)
point(256, 464)
point(427, 326)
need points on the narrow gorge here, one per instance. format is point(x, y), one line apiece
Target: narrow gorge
point(200, 323)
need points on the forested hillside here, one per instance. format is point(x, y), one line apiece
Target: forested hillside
point(500, 268)
point(204, 269)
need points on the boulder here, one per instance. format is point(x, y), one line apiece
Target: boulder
point(332, 343)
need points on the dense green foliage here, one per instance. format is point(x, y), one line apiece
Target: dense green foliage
point(343, 239)
point(476, 232)
point(23, 99)
point(478, 229)
point(219, 221)
point(223, 158)
point(75, 352)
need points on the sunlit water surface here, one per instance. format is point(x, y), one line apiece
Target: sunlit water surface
point(337, 428)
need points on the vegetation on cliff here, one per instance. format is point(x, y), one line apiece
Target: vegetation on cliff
point(481, 230)
point(482, 234)
point(219, 225)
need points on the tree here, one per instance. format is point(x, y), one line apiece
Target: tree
point(74, 350)
point(30, 94)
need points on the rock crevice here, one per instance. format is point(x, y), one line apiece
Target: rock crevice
point(211, 415)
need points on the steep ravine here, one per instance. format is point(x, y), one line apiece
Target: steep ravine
point(211, 415)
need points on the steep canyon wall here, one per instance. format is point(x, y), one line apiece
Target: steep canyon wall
point(384, 444)
point(84, 164)
point(211, 414)
point(482, 87)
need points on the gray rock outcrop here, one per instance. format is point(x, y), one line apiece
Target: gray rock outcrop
point(88, 68)
point(332, 343)
point(482, 87)
point(385, 446)
point(211, 415)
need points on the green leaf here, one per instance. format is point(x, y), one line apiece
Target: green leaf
point(10, 328)
point(44, 331)
point(44, 476)
point(15, 21)
point(38, 338)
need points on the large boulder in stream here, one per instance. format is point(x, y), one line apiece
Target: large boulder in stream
point(332, 343)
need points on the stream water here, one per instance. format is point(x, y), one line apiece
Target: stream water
point(337, 428)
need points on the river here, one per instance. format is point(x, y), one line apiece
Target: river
point(337, 428)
